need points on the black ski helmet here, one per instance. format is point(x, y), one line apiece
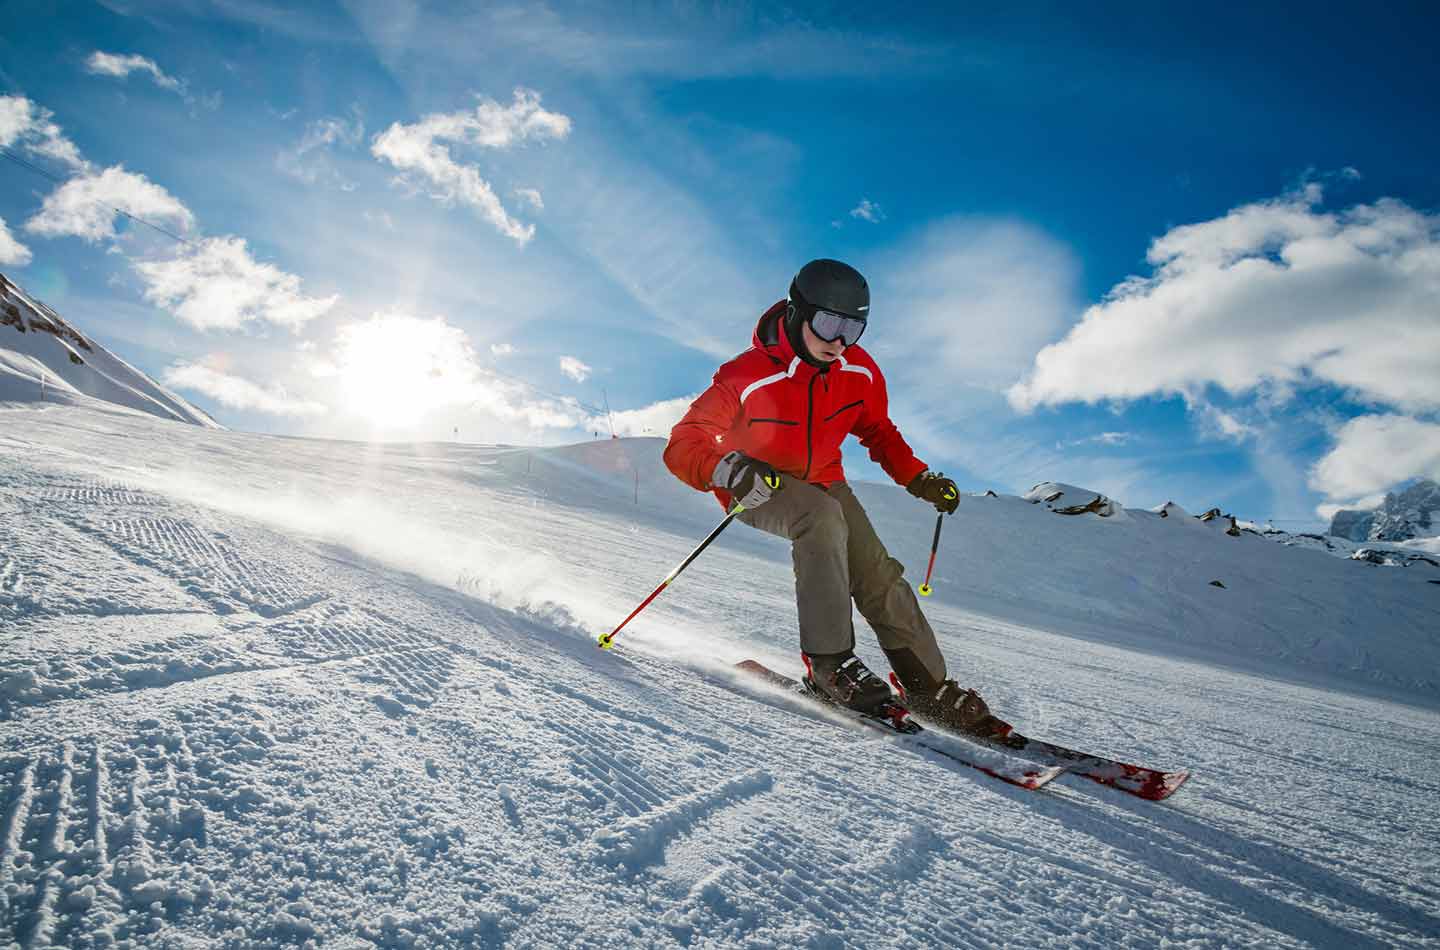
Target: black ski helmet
point(830, 285)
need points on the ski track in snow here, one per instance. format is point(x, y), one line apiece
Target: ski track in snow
point(222, 730)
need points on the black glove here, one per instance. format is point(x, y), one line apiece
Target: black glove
point(749, 481)
point(936, 489)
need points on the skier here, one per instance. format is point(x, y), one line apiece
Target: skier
point(784, 406)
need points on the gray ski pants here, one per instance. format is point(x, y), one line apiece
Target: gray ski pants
point(838, 556)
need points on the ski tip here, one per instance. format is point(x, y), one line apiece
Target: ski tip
point(1162, 785)
point(1042, 777)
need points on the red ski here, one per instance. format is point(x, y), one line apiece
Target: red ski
point(1150, 784)
point(895, 718)
point(1147, 783)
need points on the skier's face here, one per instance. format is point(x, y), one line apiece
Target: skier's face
point(819, 349)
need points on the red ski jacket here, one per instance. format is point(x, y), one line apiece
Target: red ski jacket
point(772, 405)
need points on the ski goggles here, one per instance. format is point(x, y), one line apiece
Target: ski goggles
point(830, 327)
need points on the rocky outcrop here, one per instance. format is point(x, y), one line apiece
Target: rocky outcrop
point(1068, 500)
point(1402, 516)
point(1352, 525)
point(1394, 558)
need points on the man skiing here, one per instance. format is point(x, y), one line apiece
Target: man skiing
point(784, 406)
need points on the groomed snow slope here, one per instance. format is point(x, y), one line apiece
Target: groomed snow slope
point(265, 690)
point(43, 358)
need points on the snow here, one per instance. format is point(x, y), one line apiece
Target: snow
point(43, 358)
point(261, 691)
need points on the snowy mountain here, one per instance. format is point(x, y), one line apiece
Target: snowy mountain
point(43, 358)
point(261, 691)
point(1352, 524)
point(1402, 516)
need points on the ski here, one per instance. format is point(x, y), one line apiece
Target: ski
point(895, 719)
point(1150, 784)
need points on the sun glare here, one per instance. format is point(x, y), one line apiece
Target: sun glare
point(394, 369)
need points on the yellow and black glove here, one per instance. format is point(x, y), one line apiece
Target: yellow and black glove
point(749, 481)
point(937, 490)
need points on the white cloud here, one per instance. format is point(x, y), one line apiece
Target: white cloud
point(29, 126)
point(696, 40)
point(219, 286)
point(1100, 438)
point(419, 150)
point(308, 160)
point(656, 419)
point(1216, 423)
point(531, 197)
point(498, 350)
point(214, 284)
point(971, 301)
point(237, 392)
point(1328, 510)
point(1272, 294)
point(1374, 453)
point(574, 368)
point(121, 66)
point(867, 210)
point(86, 206)
point(12, 252)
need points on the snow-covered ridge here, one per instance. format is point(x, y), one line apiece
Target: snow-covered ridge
point(1065, 499)
point(44, 358)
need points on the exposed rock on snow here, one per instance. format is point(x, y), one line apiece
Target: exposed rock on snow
point(1068, 500)
point(1214, 516)
point(1340, 547)
point(1389, 557)
point(43, 358)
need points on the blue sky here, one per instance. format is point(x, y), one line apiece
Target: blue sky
point(1165, 255)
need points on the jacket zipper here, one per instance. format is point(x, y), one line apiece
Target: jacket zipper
point(810, 426)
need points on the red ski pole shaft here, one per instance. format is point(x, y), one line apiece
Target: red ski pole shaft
point(607, 639)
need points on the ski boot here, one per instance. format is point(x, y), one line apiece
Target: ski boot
point(844, 680)
point(957, 709)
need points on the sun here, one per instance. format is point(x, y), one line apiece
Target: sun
point(395, 369)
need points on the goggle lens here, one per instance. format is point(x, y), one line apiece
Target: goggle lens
point(830, 327)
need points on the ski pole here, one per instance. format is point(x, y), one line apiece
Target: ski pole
point(925, 589)
point(607, 639)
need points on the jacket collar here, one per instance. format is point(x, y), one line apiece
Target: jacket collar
point(771, 339)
